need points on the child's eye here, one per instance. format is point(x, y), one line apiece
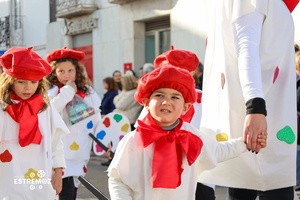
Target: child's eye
point(158, 95)
point(20, 81)
point(174, 97)
point(34, 82)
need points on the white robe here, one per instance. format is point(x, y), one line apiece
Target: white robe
point(224, 104)
point(131, 169)
point(77, 144)
point(31, 160)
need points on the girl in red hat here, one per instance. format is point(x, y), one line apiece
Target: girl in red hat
point(163, 157)
point(78, 104)
point(31, 149)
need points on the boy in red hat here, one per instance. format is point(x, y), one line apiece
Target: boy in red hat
point(163, 157)
point(78, 104)
point(31, 150)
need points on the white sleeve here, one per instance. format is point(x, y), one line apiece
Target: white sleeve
point(247, 33)
point(118, 190)
point(60, 100)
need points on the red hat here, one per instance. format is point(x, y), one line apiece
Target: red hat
point(64, 52)
point(167, 77)
point(24, 63)
point(177, 58)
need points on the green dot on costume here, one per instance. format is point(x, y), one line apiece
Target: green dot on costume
point(287, 135)
point(118, 117)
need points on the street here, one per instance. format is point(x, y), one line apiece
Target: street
point(97, 176)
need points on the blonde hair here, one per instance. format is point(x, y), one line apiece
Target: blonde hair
point(6, 83)
point(81, 76)
point(298, 62)
point(129, 82)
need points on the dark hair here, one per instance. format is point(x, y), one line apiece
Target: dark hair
point(81, 78)
point(111, 83)
point(200, 67)
point(116, 71)
point(297, 48)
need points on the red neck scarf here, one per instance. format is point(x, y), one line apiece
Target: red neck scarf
point(25, 113)
point(291, 4)
point(168, 151)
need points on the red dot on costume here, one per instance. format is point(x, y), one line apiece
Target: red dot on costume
point(98, 148)
point(84, 169)
point(6, 156)
point(106, 122)
point(276, 73)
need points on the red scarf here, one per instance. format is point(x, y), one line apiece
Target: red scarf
point(25, 113)
point(291, 4)
point(168, 151)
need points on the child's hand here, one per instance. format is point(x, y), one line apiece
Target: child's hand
point(262, 139)
point(57, 180)
point(72, 84)
point(107, 153)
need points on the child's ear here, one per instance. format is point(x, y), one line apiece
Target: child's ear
point(146, 103)
point(186, 107)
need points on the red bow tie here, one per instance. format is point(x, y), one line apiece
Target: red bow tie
point(291, 4)
point(25, 113)
point(168, 151)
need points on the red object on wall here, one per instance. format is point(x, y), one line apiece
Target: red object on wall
point(88, 60)
point(127, 66)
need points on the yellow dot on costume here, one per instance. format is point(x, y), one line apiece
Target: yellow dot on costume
point(221, 137)
point(74, 146)
point(125, 127)
point(31, 174)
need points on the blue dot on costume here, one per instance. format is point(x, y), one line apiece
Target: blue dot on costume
point(101, 135)
point(118, 118)
point(287, 135)
point(90, 125)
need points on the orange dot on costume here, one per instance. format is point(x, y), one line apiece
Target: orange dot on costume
point(125, 128)
point(286, 135)
point(276, 73)
point(5, 156)
point(74, 146)
point(222, 137)
point(31, 174)
point(118, 118)
point(222, 80)
point(106, 122)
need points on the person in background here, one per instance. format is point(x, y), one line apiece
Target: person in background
point(147, 67)
point(125, 102)
point(249, 74)
point(163, 157)
point(117, 77)
point(107, 104)
point(130, 72)
point(78, 104)
point(199, 76)
point(31, 130)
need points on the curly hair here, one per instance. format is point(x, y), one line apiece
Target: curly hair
point(6, 84)
point(81, 77)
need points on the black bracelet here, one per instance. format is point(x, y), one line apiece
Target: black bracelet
point(256, 106)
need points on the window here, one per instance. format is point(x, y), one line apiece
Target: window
point(158, 38)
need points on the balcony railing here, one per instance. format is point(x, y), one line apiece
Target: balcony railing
point(74, 8)
point(11, 31)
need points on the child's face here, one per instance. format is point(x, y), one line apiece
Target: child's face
point(166, 105)
point(24, 88)
point(65, 71)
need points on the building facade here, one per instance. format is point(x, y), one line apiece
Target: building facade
point(114, 34)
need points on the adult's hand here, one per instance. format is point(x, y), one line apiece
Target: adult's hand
point(254, 125)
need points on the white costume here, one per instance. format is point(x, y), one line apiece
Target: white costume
point(227, 87)
point(77, 144)
point(130, 170)
point(26, 172)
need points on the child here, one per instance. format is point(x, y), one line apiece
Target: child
point(107, 104)
point(31, 150)
point(78, 105)
point(163, 157)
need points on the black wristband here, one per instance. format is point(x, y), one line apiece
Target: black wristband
point(256, 106)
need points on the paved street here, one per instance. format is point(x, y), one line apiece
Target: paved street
point(96, 175)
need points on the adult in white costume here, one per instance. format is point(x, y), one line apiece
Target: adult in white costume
point(249, 82)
